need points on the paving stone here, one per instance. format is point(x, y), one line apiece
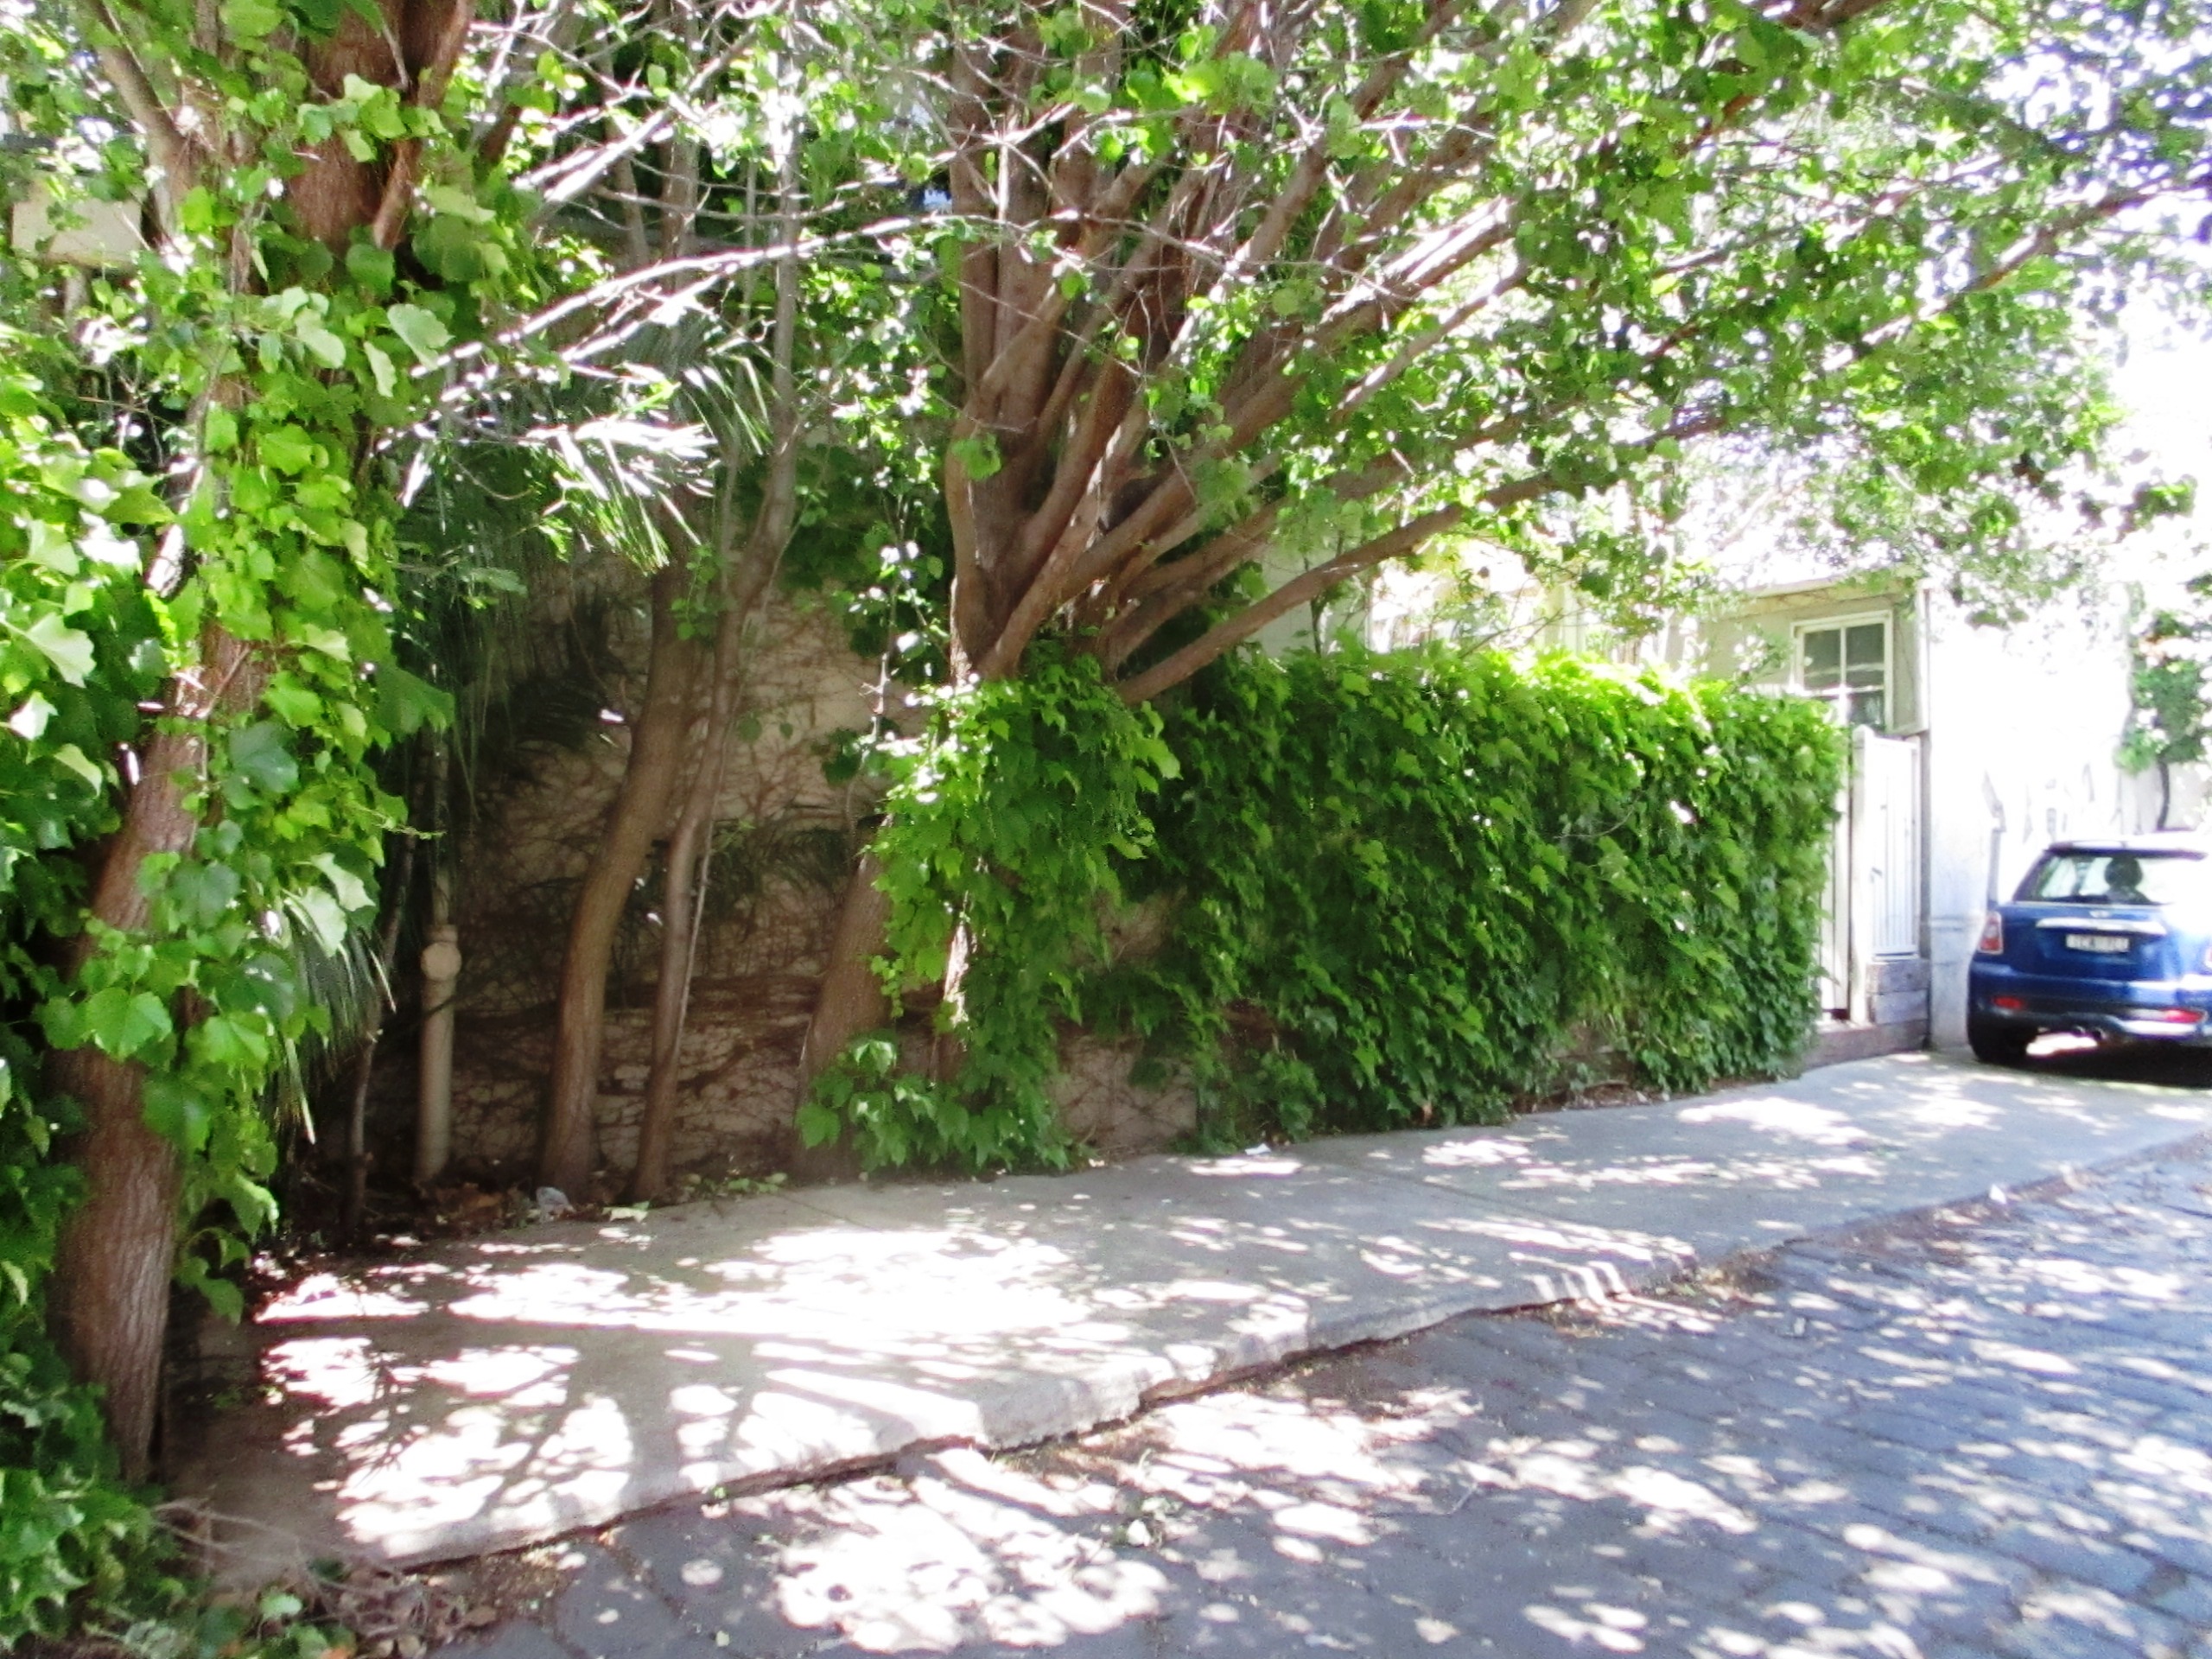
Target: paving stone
point(2189, 1599)
point(608, 1612)
point(2147, 1628)
point(720, 1571)
point(1927, 1505)
point(517, 1639)
point(1923, 1432)
point(2108, 1566)
point(1844, 1450)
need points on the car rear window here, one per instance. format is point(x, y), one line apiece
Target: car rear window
point(2113, 878)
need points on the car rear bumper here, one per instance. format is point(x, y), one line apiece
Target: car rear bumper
point(2144, 1009)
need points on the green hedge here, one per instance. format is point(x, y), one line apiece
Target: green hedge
point(1428, 879)
point(1396, 889)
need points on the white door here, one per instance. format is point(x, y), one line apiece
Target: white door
point(1871, 908)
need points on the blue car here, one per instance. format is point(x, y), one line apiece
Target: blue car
point(2111, 937)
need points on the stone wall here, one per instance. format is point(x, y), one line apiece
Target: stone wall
point(785, 841)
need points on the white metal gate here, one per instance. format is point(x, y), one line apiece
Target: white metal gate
point(1874, 876)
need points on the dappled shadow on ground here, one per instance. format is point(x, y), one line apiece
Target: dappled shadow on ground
point(524, 1385)
point(1988, 1435)
point(494, 1390)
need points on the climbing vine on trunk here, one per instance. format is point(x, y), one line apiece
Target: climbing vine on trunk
point(321, 246)
point(1007, 826)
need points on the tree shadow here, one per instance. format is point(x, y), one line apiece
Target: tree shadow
point(1970, 1435)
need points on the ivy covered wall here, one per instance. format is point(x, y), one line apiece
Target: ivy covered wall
point(1431, 882)
point(1378, 890)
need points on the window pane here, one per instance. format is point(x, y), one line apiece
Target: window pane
point(2115, 878)
point(1862, 646)
point(1823, 648)
point(1866, 710)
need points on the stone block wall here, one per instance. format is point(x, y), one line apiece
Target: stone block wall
point(786, 838)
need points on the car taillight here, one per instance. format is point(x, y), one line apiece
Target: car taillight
point(1993, 936)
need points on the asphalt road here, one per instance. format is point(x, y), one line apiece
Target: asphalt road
point(1990, 1433)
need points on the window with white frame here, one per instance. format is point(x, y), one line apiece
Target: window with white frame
point(1845, 664)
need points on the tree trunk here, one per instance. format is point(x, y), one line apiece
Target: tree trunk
point(109, 1301)
point(745, 578)
point(639, 812)
point(849, 1004)
point(682, 893)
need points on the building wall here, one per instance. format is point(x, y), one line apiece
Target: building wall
point(2019, 727)
point(785, 831)
point(1757, 639)
point(2023, 724)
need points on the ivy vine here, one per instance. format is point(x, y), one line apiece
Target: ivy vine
point(1433, 883)
point(1396, 889)
point(1011, 820)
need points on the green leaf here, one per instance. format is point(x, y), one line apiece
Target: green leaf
point(293, 700)
point(324, 919)
point(28, 723)
point(72, 758)
point(386, 378)
point(225, 1298)
point(178, 1112)
point(122, 1022)
point(50, 546)
point(816, 1124)
point(420, 330)
point(327, 348)
point(978, 456)
point(286, 449)
point(234, 1044)
point(69, 650)
point(205, 892)
point(371, 266)
point(353, 892)
point(251, 20)
point(260, 754)
point(406, 703)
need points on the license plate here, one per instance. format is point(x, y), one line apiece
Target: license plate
point(2109, 944)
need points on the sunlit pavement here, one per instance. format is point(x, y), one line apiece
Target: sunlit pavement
point(1985, 1433)
point(484, 1394)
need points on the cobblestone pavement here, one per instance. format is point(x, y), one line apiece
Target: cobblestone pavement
point(1989, 1434)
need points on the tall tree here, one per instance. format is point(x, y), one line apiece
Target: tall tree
point(282, 328)
point(1251, 298)
point(788, 312)
point(340, 264)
